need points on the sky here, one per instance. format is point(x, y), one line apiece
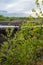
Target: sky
point(19, 7)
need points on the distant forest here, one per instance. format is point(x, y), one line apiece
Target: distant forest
point(4, 18)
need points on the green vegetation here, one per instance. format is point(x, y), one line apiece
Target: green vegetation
point(30, 18)
point(3, 18)
point(26, 46)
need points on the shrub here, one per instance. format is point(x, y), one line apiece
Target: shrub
point(26, 48)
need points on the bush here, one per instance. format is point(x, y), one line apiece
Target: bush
point(26, 48)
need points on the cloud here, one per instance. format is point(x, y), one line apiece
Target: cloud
point(18, 6)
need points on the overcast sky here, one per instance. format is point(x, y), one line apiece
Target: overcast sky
point(17, 6)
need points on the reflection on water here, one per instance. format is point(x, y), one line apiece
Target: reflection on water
point(7, 26)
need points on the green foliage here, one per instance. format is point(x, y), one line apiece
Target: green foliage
point(14, 19)
point(38, 6)
point(26, 48)
point(2, 18)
